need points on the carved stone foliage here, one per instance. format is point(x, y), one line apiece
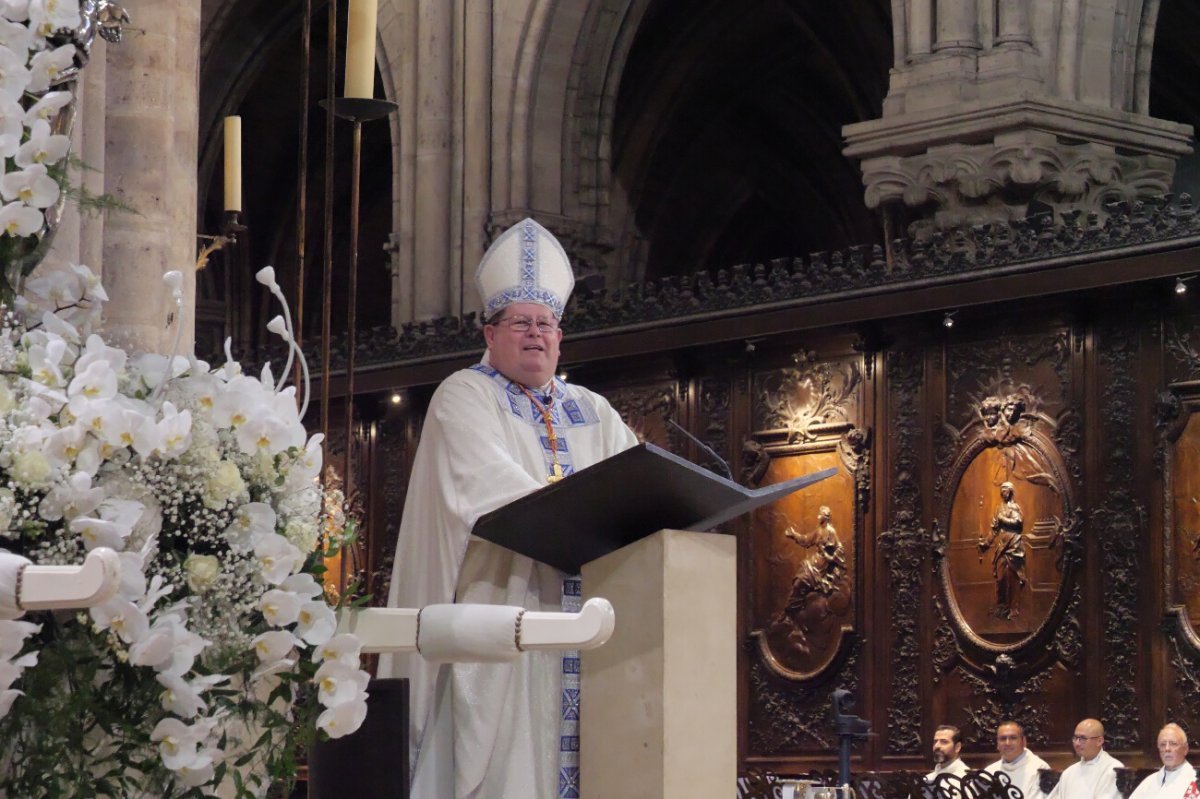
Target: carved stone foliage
point(904, 546)
point(1118, 529)
point(965, 182)
point(787, 717)
point(1010, 545)
point(804, 547)
point(800, 281)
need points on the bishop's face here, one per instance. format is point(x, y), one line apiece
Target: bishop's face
point(529, 356)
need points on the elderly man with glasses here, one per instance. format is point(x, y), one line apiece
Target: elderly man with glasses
point(1176, 778)
point(1093, 776)
point(495, 432)
point(1016, 762)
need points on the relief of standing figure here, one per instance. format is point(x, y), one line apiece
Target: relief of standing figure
point(819, 580)
point(1008, 561)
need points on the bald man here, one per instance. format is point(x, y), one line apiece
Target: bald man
point(1093, 776)
point(1176, 775)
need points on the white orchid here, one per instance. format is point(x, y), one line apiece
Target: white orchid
point(71, 498)
point(31, 185)
point(46, 66)
point(45, 108)
point(280, 608)
point(316, 623)
point(14, 76)
point(343, 648)
point(339, 684)
point(178, 742)
point(14, 36)
point(274, 645)
point(42, 147)
point(122, 617)
point(278, 558)
point(14, 10)
point(18, 219)
point(48, 16)
point(343, 719)
point(11, 129)
point(252, 521)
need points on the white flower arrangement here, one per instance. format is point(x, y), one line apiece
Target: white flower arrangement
point(217, 661)
point(38, 61)
point(205, 481)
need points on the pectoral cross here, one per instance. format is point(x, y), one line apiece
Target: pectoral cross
point(556, 474)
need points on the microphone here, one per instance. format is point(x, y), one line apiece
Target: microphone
point(706, 449)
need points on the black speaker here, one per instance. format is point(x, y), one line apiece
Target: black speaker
point(371, 762)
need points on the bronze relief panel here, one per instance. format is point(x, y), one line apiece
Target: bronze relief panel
point(1010, 531)
point(805, 546)
point(1182, 513)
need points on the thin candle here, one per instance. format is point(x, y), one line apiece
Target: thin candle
point(360, 48)
point(233, 163)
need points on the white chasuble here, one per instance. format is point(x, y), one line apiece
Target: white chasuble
point(487, 730)
point(1164, 784)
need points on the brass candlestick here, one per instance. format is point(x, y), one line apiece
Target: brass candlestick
point(357, 110)
point(230, 229)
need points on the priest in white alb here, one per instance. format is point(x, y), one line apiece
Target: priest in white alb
point(1016, 761)
point(1092, 776)
point(1176, 779)
point(494, 432)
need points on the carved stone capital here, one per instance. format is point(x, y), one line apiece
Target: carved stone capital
point(996, 182)
point(984, 162)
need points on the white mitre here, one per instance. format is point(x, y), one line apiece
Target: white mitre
point(526, 264)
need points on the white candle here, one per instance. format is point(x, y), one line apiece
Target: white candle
point(233, 163)
point(360, 48)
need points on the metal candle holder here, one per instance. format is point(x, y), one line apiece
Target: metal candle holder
point(357, 110)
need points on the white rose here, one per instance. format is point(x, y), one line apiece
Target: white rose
point(202, 571)
point(223, 484)
point(31, 468)
point(8, 400)
point(7, 506)
point(303, 534)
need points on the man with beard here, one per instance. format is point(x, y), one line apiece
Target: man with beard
point(947, 743)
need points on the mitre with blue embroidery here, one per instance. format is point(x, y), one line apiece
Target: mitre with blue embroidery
point(526, 264)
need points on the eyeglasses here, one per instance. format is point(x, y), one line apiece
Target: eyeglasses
point(1081, 738)
point(1003, 739)
point(522, 324)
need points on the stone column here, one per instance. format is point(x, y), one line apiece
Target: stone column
point(150, 164)
point(920, 27)
point(1013, 27)
point(435, 91)
point(80, 234)
point(957, 29)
